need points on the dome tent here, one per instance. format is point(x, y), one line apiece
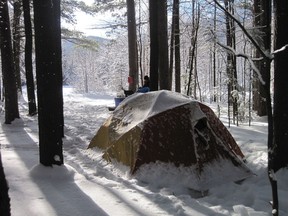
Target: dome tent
point(172, 128)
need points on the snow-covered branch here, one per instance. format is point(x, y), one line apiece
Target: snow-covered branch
point(263, 53)
point(243, 55)
point(280, 50)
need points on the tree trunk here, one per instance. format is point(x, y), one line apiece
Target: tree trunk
point(177, 46)
point(163, 45)
point(280, 85)
point(28, 59)
point(4, 196)
point(192, 51)
point(231, 60)
point(85, 77)
point(9, 79)
point(141, 48)
point(16, 42)
point(132, 44)
point(277, 147)
point(214, 59)
point(172, 46)
point(49, 80)
point(154, 51)
point(262, 14)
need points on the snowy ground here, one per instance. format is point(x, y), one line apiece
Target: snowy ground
point(89, 186)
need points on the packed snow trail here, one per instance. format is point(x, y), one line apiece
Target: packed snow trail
point(89, 186)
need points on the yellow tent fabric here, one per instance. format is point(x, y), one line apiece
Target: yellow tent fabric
point(117, 145)
point(169, 127)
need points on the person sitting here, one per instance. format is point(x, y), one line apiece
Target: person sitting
point(145, 88)
point(128, 92)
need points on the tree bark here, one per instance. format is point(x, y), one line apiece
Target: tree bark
point(132, 44)
point(193, 51)
point(163, 45)
point(28, 59)
point(172, 46)
point(154, 51)
point(280, 86)
point(177, 48)
point(4, 196)
point(9, 79)
point(214, 59)
point(16, 42)
point(231, 67)
point(278, 126)
point(49, 80)
point(262, 21)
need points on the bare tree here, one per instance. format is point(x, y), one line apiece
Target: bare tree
point(231, 67)
point(192, 73)
point(214, 58)
point(277, 119)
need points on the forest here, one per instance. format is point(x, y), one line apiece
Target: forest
point(229, 52)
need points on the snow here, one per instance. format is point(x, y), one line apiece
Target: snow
point(161, 100)
point(88, 185)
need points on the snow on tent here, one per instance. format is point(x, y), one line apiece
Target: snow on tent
point(168, 127)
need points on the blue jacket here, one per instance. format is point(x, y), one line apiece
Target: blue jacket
point(143, 89)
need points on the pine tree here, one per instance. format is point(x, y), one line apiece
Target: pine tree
point(49, 80)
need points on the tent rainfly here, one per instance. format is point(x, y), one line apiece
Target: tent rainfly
point(165, 126)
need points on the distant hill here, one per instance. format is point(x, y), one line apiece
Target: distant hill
point(69, 44)
point(98, 39)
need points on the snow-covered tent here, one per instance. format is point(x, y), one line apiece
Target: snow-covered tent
point(169, 127)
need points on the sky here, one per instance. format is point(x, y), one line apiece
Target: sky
point(86, 23)
point(89, 185)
